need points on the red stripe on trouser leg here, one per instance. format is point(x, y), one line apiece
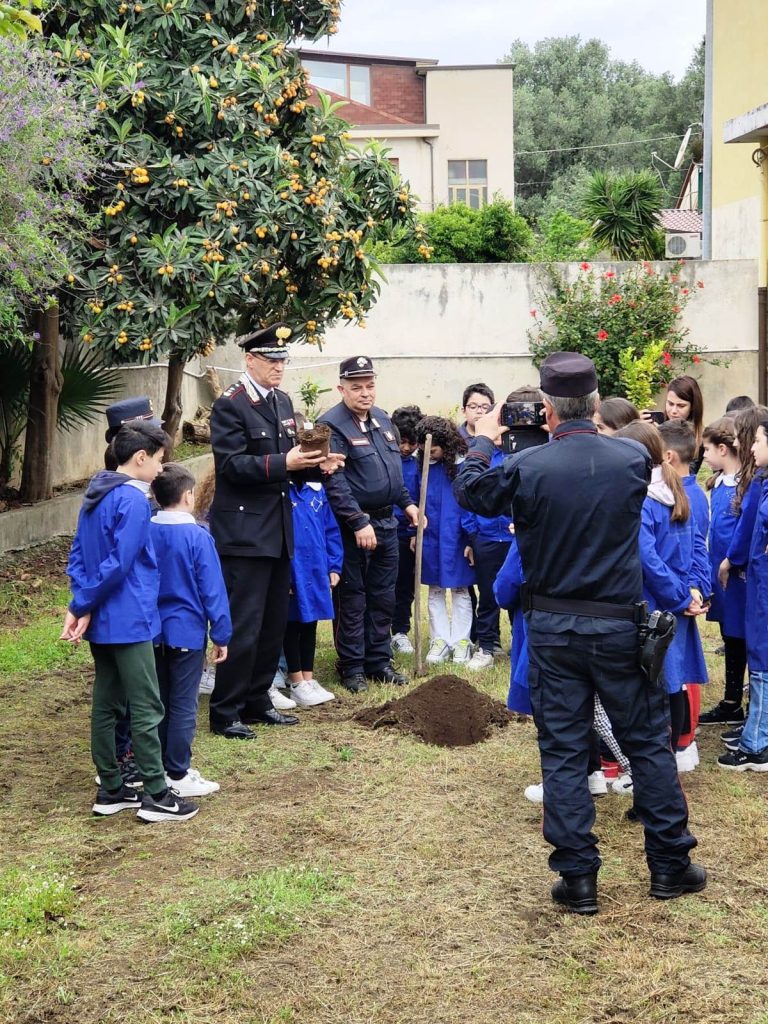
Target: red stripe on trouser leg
point(693, 695)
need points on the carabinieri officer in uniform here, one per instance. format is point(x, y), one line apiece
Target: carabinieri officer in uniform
point(253, 435)
point(576, 503)
point(362, 496)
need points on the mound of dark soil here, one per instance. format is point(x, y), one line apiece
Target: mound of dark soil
point(445, 711)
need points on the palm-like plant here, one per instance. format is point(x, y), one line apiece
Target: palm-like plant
point(623, 210)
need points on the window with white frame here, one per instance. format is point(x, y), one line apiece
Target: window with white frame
point(350, 80)
point(468, 182)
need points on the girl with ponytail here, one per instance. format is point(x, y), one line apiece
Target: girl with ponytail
point(676, 571)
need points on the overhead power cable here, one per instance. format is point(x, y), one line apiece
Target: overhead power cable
point(601, 145)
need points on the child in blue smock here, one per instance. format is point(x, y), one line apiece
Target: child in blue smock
point(192, 597)
point(675, 566)
point(445, 562)
point(406, 419)
point(318, 556)
point(114, 579)
point(728, 604)
point(751, 753)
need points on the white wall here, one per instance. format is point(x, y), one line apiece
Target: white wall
point(736, 230)
point(474, 108)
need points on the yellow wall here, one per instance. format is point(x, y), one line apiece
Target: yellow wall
point(739, 50)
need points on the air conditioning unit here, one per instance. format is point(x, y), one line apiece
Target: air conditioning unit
point(683, 244)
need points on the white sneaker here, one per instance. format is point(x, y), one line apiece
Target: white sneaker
point(193, 784)
point(305, 695)
point(402, 644)
point(462, 652)
point(688, 759)
point(597, 784)
point(623, 786)
point(439, 651)
point(207, 680)
point(480, 659)
point(535, 793)
point(321, 690)
point(279, 701)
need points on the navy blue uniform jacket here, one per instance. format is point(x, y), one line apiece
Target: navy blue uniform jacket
point(251, 509)
point(576, 503)
point(372, 477)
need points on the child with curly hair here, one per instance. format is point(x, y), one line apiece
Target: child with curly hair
point(445, 566)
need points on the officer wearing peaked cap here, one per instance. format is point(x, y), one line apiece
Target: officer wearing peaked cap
point(362, 496)
point(577, 504)
point(255, 450)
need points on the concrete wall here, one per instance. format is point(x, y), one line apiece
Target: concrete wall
point(437, 328)
point(739, 52)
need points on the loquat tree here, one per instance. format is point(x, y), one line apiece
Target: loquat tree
point(228, 193)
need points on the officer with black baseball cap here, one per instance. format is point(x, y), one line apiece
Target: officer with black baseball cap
point(362, 496)
point(577, 505)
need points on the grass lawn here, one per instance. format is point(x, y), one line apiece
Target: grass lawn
point(343, 876)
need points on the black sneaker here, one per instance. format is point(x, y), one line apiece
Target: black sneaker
point(732, 744)
point(110, 803)
point(732, 734)
point(129, 771)
point(742, 761)
point(723, 713)
point(169, 807)
point(355, 682)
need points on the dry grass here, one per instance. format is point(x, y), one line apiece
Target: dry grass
point(376, 880)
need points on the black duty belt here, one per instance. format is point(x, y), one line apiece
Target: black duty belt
point(597, 609)
point(379, 513)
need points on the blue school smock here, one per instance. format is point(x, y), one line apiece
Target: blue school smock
point(506, 589)
point(492, 529)
point(728, 606)
point(411, 474)
point(443, 561)
point(192, 590)
point(317, 552)
point(112, 566)
point(739, 548)
point(756, 621)
point(699, 504)
point(674, 559)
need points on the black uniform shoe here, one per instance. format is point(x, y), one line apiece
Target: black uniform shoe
point(389, 675)
point(669, 887)
point(723, 713)
point(233, 731)
point(355, 683)
point(577, 893)
point(273, 717)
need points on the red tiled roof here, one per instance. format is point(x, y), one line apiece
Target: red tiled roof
point(681, 220)
point(358, 113)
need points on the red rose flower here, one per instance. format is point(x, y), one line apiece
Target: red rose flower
point(609, 274)
point(667, 359)
point(533, 312)
point(614, 300)
point(584, 266)
point(696, 359)
point(684, 291)
point(602, 335)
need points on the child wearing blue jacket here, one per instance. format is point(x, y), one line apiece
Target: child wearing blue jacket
point(114, 581)
point(728, 605)
point(445, 565)
point(676, 573)
point(405, 419)
point(318, 557)
point(751, 749)
point(192, 595)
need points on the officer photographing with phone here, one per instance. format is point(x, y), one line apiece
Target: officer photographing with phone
point(576, 503)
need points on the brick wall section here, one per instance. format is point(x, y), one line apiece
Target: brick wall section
point(399, 91)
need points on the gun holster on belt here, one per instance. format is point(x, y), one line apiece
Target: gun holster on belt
point(656, 634)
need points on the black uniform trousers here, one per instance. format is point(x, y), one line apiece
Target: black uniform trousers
point(259, 594)
point(364, 601)
point(404, 586)
point(566, 669)
point(490, 555)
